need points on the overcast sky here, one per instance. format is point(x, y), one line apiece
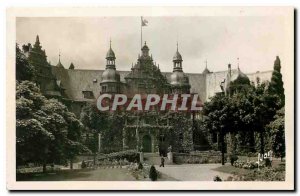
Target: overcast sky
point(221, 40)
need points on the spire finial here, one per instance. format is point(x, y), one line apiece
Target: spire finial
point(177, 45)
point(59, 56)
point(110, 42)
point(238, 62)
point(206, 63)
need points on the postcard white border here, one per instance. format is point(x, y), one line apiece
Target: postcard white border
point(287, 72)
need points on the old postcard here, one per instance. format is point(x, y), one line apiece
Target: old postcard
point(150, 98)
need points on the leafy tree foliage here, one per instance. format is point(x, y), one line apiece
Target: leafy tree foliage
point(265, 106)
point(24, 71)
point(46, 131)
point(277, 134)
point(219, 118)
point(245, 114)
point(37, 55)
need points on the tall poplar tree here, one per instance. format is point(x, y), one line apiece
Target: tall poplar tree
point(276, 84)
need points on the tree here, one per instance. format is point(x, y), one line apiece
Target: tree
point(265, 106)
point(276, 84)
point(277, 134)
point(46, 131)
point(245, 114)
point(24, 71)
point(72, 66)
point(219, 118)
point(31, 136)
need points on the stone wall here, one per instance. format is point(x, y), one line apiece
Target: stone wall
point(263, 76)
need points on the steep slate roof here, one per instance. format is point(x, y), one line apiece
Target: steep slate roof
point(78, 80)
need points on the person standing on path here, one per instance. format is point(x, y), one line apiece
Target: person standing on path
point(162, 162)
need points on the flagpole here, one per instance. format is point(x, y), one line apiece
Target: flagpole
point(141, 31)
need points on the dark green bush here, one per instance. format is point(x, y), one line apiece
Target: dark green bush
point(129, 155)
point(233, 158)
point(83, 164)
point(140, 166)
point(268, 162)
point(217, 179)
point(153, 173)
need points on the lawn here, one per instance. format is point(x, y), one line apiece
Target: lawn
point(233, 170)
point(108, 174)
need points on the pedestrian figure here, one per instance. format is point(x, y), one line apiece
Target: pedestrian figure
point(162, 162)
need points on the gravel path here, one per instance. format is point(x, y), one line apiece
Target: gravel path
point(192, 172)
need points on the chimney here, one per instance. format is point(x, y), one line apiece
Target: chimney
point(229, 69)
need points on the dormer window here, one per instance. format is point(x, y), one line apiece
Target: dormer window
point(88, 94)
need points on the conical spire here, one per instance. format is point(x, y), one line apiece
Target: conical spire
point(59, 56)
point(59, 63)
point(177, 56)
point(240, 73)
point(110, 55)
point(206, 70)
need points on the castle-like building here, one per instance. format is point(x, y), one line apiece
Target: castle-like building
point(78, 87)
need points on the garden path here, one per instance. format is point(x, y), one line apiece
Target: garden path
point(192, 172)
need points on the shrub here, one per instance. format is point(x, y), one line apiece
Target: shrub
point(140, 166)
point(265, 174)
point(153, 173)
point(252, 154)
point(83, 164)
point(205, 160)
point(129, 155)
point(268, 162)
point(230, 178)
point(245, 165)
point(233, 158)
point(217, 179)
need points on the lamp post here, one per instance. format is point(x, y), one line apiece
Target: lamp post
point(99, 142)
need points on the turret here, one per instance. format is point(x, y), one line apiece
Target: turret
point(179, 81)
point(145, 50)
point(110, 78)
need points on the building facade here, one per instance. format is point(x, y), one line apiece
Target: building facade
point(149, 131)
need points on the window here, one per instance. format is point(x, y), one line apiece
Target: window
point(104, 89)
point(88, 94)
point(181, 137)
